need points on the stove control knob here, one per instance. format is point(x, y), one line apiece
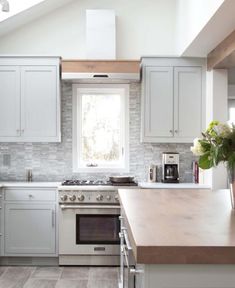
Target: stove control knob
point(72, 198)
point(81, 198)
point(64, 197)
point(108, 197)
point(99, 197)
point(116, 198)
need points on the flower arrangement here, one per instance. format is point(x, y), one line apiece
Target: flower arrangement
point(216, 145)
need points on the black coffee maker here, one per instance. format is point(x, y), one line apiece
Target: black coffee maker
point(170, 167)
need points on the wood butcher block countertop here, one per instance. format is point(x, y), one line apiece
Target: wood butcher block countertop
point(173, 226)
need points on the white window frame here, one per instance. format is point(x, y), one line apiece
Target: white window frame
point(78, 90)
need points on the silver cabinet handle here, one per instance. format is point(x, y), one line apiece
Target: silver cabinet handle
point(124, 253)
point(53, 218)
point(0, 207)
point(128, 245)
point(136, 271)
point(120, 218)
point(0, 234)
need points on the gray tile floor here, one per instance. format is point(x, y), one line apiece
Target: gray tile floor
point(58, 277)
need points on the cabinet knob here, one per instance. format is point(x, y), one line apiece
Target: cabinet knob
point(176, 131)
point(22, 131)
point(171, 131)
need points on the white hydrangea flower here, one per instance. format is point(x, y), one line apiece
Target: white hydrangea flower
point(197, 147)
point(223, 130)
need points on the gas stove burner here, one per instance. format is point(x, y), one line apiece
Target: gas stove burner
point(85, 182)
point(98, 182)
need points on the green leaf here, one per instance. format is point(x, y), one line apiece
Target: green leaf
point(205, 161)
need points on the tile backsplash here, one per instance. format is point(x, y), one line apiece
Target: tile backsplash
point(53, 161)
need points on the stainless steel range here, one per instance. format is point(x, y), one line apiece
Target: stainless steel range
point(89, 222)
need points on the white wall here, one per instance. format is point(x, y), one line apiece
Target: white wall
point(144, 27)
point(192, 16)
point(217, 109)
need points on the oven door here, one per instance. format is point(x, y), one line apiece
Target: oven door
point(89, 230)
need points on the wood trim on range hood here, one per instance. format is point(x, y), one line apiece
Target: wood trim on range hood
point(116, 70)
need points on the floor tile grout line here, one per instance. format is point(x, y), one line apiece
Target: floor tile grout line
point(4, 271)
point(33, 270)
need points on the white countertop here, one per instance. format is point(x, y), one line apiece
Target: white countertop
point(30, 184)
point(147, 185)
point(159, 185)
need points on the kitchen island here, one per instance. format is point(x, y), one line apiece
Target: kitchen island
point(180, 238)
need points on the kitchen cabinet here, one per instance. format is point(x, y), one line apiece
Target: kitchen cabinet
point(173, 97)
point(30, 229)
point(9, 101)
point(30, 224)
point(1, 223)
point(30, 99)
point(169, 253)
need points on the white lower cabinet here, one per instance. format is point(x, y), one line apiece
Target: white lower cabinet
point(185, 276)
point(1, 223)
point(30, 229)
point(30, 225)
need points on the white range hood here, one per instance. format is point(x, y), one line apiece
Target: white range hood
point(101, 71)
point(101, 48)
point(100, 34)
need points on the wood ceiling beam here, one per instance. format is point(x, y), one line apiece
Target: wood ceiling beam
point(223, 56)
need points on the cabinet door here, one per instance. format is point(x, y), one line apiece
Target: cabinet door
point(1, 224)
point(158, 103)
point(9, 102)
point(188, 102)
point(29, 229)
point(39, 103)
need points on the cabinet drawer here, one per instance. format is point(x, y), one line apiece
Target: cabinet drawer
point(29, 194)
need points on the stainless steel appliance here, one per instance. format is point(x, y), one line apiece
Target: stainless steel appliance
point(152, 173)
point(170, 167)
point(128, 269)
point(89, 223)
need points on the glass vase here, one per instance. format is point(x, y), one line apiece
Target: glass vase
point(231, 181)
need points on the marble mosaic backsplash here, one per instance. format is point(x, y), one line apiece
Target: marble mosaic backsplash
point(53, 161)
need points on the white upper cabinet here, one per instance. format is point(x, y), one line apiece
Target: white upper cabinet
point(159, 82)
point(173, 96)
point(188, 102)
point(30, 104)
point(9, 101)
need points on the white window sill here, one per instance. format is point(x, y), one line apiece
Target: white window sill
point(100, 170)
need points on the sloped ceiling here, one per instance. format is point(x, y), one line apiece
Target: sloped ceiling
point(30, 14)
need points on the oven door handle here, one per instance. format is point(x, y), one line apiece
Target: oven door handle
point(63, 207)
point(125, 256)
point(128, 245)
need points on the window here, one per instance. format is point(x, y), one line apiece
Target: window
point(17, 7)
point(100, 127)
point(231, 109)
